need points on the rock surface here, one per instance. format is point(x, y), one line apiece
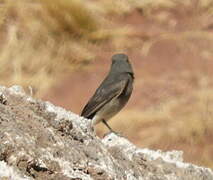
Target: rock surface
point(41, 141)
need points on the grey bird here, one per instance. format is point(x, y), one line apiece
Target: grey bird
point(113, 93)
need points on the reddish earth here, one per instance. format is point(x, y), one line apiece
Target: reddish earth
point(172, 68)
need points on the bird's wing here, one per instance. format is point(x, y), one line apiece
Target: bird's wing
point(103, 96)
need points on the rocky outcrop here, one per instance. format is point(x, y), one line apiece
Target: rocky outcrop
point(41, 141)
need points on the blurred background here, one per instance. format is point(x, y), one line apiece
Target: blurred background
point(60, 51)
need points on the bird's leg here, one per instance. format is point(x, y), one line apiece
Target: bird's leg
point(103, 120)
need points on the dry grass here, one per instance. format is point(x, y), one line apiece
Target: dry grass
point(44, 40)
point(73, 17)
point(163, 12)
point(183, 39)
point(147, 7)
point(41, 41)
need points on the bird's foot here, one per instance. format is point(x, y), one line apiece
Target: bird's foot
point(114, 132)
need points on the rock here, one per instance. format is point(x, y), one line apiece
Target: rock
point(42, 141)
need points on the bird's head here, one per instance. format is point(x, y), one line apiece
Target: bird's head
point(121, 64)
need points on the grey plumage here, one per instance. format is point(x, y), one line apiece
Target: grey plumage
point(113, 93)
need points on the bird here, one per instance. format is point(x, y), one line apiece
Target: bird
point(112, 94)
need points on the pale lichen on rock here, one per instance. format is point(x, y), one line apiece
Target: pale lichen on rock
point(42, 141)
